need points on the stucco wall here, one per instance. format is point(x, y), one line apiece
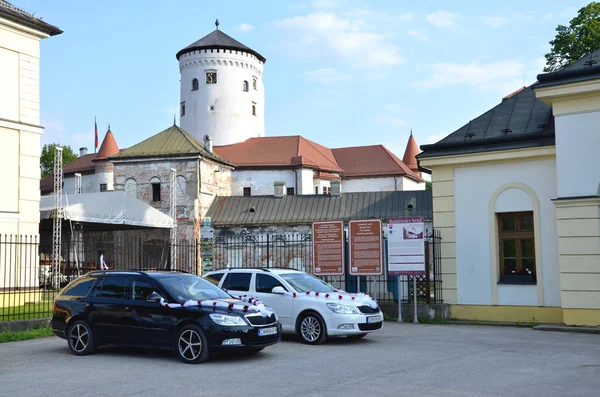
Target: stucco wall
point(387, 184)
point(474, 189)
point(261, 181)
point(230, 120)
point(577, 159)
point(89, 184)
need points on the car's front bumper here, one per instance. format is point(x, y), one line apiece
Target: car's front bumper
point(248, 336)
point(338, 324)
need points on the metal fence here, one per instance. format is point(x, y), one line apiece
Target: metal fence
point(29, 278)
point(295, 251)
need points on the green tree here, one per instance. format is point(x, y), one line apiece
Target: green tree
point(47, 158)
point(427, 185)
point(573, 42)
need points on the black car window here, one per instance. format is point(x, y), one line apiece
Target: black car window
point(214, 278)
point(266, 283)
point(112, 287)
point(237, 281)
point(80, 288)
point(140, 290)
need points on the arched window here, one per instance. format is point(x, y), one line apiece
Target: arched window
point(194, 84)
point(246, 86)
point(155, 182)
point(131, 187)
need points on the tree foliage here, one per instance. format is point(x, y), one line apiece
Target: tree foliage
point(573, 42)
point(47, 158)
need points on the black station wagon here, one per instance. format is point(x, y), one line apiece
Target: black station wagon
point(159, 309)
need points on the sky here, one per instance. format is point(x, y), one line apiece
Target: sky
point(338, 72)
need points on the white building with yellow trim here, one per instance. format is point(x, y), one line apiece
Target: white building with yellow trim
point(516, 194)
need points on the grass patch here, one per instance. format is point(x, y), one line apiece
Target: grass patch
point(15, 336)
point(26, 312)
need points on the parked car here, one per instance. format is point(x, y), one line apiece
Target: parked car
point(304, 304)
point(161, 309)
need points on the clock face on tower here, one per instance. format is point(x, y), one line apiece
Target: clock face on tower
point(211, 78)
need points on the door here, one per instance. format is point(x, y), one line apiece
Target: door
point(107, 308)
point(282, 304)
point(148, 323)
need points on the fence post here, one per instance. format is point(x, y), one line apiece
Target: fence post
point(268, 252)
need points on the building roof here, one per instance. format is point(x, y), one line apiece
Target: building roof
point(371, 161)
point(238, 211)
point(586, 68)
point(170, 142)
point(520, 121)
point(281, 152)
point(108, 148)
point(83, 164)
point(219, 41)
point(411, 152)
point(22, 17)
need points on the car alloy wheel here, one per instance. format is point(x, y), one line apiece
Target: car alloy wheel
point(81, 338)
point(312, 329)
point(191, 345)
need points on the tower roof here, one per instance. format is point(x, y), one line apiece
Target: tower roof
point(218, 40)
point(108, 147)
point(411, 152)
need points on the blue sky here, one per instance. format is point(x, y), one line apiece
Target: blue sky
point(339, 72)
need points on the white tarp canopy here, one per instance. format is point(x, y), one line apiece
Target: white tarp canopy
point(114, 208)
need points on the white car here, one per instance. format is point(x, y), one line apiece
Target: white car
point(304, 304)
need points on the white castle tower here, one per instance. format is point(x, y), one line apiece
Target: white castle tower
point(222, 93)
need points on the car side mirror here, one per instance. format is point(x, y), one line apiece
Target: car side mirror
point(278, 290)
point(154, 297)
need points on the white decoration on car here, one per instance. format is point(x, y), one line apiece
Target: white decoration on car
point(259, 307)
point(358, 297)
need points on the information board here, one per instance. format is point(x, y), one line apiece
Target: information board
point(406, 246)
point(328, 248)
point(365, 247)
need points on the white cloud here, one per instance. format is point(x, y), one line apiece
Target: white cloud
point(388, 120)
point(503, 76)
point(442, 19)
point(421, 36)
point(326, 75)
point(326, 35)
point(244, 27)
point(494, 22)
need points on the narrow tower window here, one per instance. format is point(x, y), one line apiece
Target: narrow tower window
point(254, 83)
point(182, 108)
point(194, 84)
point(254, 108)
point(155, 182)
point(246, 85)
point(211, 77)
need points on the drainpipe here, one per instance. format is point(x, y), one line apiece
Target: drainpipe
point(395, 185)
point(295, 182)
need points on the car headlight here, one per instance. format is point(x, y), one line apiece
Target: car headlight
point(224, 319)
point(342, 309)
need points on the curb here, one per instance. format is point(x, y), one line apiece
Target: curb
point(565, 328)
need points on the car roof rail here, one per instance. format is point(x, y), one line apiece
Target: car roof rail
point(158, 270)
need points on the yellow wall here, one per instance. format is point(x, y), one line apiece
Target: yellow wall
point(512, 314)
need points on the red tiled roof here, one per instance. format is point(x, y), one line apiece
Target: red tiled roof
point(109, 146)
point(410, 154)
point(279, 151)
point(512, 94)
point(371, 161)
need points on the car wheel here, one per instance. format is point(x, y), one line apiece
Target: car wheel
point(191, 345)
point(81, 338)
point(312, 329)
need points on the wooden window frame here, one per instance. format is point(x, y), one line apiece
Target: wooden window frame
point(518, 235)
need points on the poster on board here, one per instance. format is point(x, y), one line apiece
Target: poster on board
point(328, 248)
point(365, 247)
point(406, 246)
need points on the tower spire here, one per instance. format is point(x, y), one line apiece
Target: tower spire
point(217, 23)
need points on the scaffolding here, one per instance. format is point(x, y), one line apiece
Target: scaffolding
point(173, 202)
point(77, 183)
point(58, 215)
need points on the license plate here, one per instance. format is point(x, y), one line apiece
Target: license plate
point(267, 331)
point(373, 319)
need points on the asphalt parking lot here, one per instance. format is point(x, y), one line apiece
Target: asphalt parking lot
point(400, 360)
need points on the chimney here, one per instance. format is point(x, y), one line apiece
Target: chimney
point(280, 189)
point(82, 151)
point(335, 188)
point(208, 143)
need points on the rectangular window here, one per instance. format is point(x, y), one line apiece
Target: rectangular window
point(254, 83)
point(254, 108)
point(316, 190)
point(112, 287)
point(237, 281)
point(141, 290)
point(266, 283)
point(182, 112)
point(211, 77)
point(326, 190)
point(156, 192)
point(103, 187)
point(516, 246)
point(247, 191)
point(290, 191)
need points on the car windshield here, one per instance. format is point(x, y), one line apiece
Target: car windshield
point(303, 282)
point(190, 287)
